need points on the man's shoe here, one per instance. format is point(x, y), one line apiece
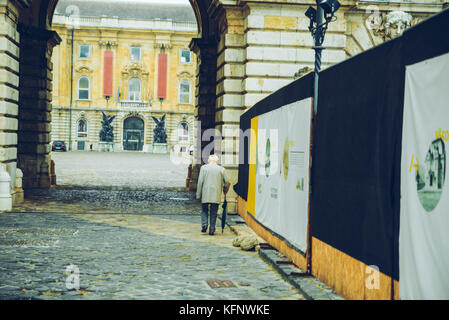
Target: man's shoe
point(203, 229)
point(211, 233)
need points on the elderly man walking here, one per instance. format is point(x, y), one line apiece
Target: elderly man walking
point(211, 182)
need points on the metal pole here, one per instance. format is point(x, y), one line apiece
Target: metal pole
point(71, 96)
point(318, 38)
point(318, 49)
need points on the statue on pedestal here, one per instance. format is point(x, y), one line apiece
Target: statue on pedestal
point(107, 130)
point(160, 136)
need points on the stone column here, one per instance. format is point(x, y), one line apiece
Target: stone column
point(9, 87)
point(35, 97)
point(206, 51)
point(230, 91)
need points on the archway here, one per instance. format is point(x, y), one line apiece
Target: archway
point(133, 134)
point(37, 45)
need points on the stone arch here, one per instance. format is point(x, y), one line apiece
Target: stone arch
point(133, 137)
point(30, 22)
point(36, 41)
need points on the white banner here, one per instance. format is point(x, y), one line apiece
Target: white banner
point(282, 171)
point(424, 220)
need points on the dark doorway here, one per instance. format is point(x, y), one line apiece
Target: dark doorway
point(133, 134)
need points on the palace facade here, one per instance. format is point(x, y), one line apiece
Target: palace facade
point(132, 65)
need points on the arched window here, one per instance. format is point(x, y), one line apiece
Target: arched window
point(82, 128)
point(83, 88)
point(183, 132)
point(184, 92)
point(134, 90)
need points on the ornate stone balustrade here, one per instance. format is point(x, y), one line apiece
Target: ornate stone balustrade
point(134, 105)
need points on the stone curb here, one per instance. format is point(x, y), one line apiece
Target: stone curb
point(310, 287)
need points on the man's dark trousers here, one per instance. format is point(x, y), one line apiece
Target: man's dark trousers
point(205, 215)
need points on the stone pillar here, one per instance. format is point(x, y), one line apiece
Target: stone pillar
point(18, 194)
point(230, 90)
point(9, 87)
point(5, 190)
point(35, 97)
point(206, 51)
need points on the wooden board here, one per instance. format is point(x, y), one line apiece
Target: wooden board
point(350, 278)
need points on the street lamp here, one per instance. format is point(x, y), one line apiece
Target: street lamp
point(319, 19)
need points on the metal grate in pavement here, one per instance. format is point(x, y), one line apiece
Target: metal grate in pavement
point(220, 284)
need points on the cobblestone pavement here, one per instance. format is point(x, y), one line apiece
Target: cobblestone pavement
point(131, 240)
point(127, 256)
point(119, 169)
point(95, 200)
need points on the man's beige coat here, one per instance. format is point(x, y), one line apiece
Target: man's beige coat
point(211, 181)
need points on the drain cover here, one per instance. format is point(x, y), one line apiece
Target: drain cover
point(220, 284)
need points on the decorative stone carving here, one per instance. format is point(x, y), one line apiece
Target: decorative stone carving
point(162, 46)
point(83, 70)
point(134, 114)
point(394, 23)
point(108, 44)
point(134, 69)
point(184, 75)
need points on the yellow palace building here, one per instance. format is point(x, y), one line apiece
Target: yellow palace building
point(127, 61)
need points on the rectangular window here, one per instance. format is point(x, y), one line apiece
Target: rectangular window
point(135, 53)
point(83, 94)
point(185, 56)
point(84, 51)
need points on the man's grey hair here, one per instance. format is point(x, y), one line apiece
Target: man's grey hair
point(213, 157)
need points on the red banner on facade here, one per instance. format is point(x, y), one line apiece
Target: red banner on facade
point(108, 75)
point(162, 76)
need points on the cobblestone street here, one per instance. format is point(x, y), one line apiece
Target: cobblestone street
point(119, 169)
point(136, 240)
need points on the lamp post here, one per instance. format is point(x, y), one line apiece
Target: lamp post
point(319, 19)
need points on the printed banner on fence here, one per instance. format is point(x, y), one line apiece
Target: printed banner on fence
point(424, 221)
point(279, 176)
